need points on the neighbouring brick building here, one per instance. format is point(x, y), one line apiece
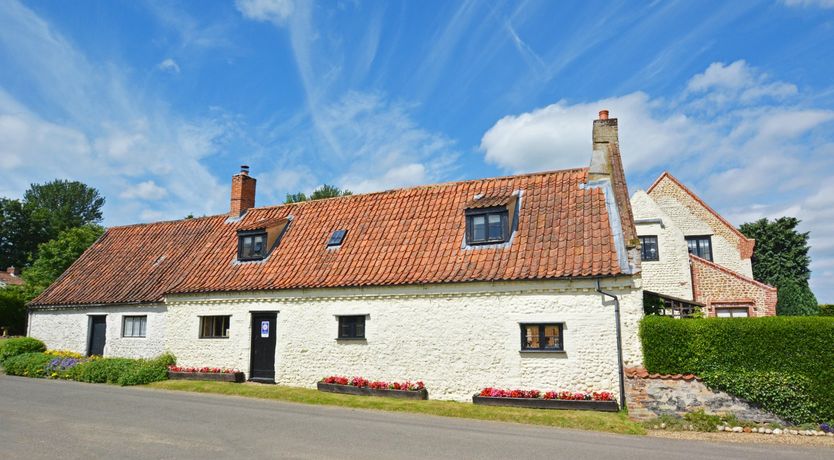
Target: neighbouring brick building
point(690, 253)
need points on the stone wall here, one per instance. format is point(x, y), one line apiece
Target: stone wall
point(68, 329)
point(717, 286)
point(670, 275)
point(651, 395)
point(693, 217)
point(458, 338)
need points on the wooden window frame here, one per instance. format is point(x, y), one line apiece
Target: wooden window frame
point(241, 236)
point(213, 319)
point(698, 238)
point(541, 348)
point(125, 319)
point(657, 248)
point(351, 335)
point(501, 211)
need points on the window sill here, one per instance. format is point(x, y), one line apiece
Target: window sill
point(213, 338)
point(351, 339)
point(557, 352)
point(134, 337)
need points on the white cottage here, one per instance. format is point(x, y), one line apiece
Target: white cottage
point(506, 282)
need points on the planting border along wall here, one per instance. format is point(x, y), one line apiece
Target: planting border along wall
point(783, 364)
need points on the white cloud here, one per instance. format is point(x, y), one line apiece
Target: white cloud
point(811, 3)
point(557, 136)
point(744, 142)
point(275, 11)
point(147, 190)
point(169, 65)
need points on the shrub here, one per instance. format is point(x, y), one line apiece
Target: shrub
point(18, 346)
point(827, 309)
point(27, 364)
point(147, 371)
point(103, 370)
point(701, 421)
point(790, 396)
point(776, 352)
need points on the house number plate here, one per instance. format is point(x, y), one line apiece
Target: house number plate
point(264, 329)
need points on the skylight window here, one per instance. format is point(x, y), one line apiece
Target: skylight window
point(336, 238)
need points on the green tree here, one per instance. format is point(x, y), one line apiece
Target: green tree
point(781, 259)
point(21, 230)
point(13, 310)
point(55, 256)
point(70, 203)
point(325, 191)
point(45, 211)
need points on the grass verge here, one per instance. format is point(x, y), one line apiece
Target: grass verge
point(582, 420)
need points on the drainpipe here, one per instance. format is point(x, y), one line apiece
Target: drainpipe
point(619, 342)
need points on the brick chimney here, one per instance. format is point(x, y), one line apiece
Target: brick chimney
point(243, 192)
point(605, 135)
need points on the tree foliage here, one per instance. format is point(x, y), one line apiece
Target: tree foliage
point(325, 191)
point(781, 259)
point(55, 256)
point(45, 211)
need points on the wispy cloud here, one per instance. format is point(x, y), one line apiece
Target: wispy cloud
point(810, 3)
point(169, 65)
point(145, 159)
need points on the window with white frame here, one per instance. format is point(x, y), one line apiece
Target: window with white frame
point(134, 326)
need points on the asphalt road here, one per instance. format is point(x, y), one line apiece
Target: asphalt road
point(57, 419)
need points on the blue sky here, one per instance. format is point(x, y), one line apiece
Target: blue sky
point(158, 103)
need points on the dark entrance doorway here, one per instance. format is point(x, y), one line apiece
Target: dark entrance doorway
point(98, 335)
point(262, 364)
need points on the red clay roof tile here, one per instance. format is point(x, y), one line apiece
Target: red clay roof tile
point(396, 237)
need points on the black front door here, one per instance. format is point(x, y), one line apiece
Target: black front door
point(263, 348)
point(98, 335)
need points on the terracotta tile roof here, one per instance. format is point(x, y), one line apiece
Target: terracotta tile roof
point(642, 373)
point(7, 278)
point(489, 201)
point(396, 237)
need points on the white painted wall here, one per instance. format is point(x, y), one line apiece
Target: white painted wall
point(456, 338)
point(68, 329)
point(671, 274)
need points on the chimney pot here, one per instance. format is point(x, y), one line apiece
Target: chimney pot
point(603, 114)
point(244, 169)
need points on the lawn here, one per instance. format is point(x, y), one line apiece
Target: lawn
point(582, 420)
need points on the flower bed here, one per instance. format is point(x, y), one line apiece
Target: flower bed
point(205, 373)
point(363, 387)
point(535, 399)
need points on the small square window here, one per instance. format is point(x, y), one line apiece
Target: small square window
point(134, 326)
point(487, 226)
point(336, 238)
point(214, 327)
point(542, 337)
point(251, 246)
point(649, 249)
point(352, 327)
point(700, 246)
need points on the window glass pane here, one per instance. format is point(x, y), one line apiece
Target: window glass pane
point(723, 313)
point(143, 320)
point(705, 249)
point(495, 230)
point(531, 336)
point(478, 228)
point(258, 245)
point(551, 336)
point(246, 251)
point(360, 328)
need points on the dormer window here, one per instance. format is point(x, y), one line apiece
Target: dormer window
point(251, 245)
point(487, 225)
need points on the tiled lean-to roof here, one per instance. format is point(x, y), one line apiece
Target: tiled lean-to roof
point(396, 237)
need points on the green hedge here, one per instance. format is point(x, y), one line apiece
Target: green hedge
point(119, 371)
point(827, 309)
point(787, 354)
point(19, 346)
